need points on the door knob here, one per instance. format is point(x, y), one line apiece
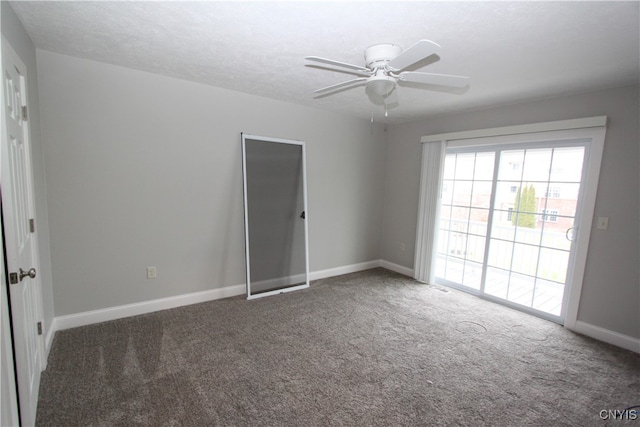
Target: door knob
point(31, 273)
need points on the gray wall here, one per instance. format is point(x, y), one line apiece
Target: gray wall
point(145, 170)
point(611, 288)
point(15, 34)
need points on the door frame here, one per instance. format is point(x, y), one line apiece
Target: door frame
point(26, 414)
point(244, 138)
point(592, 129)
point(9, 415)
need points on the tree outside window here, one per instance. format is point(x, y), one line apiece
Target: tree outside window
point(525, 203)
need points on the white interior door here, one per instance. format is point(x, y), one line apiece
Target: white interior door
point(20, 242)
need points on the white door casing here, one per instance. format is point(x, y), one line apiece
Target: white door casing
point(18, 215)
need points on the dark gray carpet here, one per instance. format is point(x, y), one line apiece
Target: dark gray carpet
point(365, 349)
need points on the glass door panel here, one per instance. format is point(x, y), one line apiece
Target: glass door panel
point(567, 164)
point(536, 165)
point(464, 214)
point(496, 282)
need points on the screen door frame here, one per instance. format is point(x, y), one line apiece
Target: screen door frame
point(245, 137)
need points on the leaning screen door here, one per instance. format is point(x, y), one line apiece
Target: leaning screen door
point(275, 215)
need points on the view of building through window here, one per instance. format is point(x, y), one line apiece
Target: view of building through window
point(506, 219)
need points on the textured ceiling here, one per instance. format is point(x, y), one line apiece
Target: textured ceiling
point(511, 50)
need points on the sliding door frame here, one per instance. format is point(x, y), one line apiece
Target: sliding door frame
point(591, 130)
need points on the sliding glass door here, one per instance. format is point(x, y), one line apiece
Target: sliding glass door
point(507, 219)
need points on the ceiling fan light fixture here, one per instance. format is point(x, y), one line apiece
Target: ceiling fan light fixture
point(381, 85)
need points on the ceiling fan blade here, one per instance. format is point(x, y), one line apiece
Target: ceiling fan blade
point(338, 63)
point(335, 70)
point(413, 54)
point(343, 85)
point(434, 79)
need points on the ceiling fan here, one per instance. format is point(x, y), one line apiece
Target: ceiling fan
point(386, 66)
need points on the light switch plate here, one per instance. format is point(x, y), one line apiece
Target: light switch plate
point(603, 223)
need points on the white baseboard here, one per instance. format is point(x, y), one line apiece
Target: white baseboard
point(353, 268)
point(607, 336)
point(396, 267)
point(118, 312)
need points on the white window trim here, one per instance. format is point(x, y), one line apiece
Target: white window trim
point(593, 129)
point(590, 122)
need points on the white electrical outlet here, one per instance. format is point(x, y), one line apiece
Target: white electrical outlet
point(151, 272)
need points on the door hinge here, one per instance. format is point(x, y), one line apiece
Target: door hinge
point(39, 328)
point(13, 278)
point(25, 114)
point(32, 225)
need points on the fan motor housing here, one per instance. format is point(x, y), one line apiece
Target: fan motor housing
point(379, 54)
